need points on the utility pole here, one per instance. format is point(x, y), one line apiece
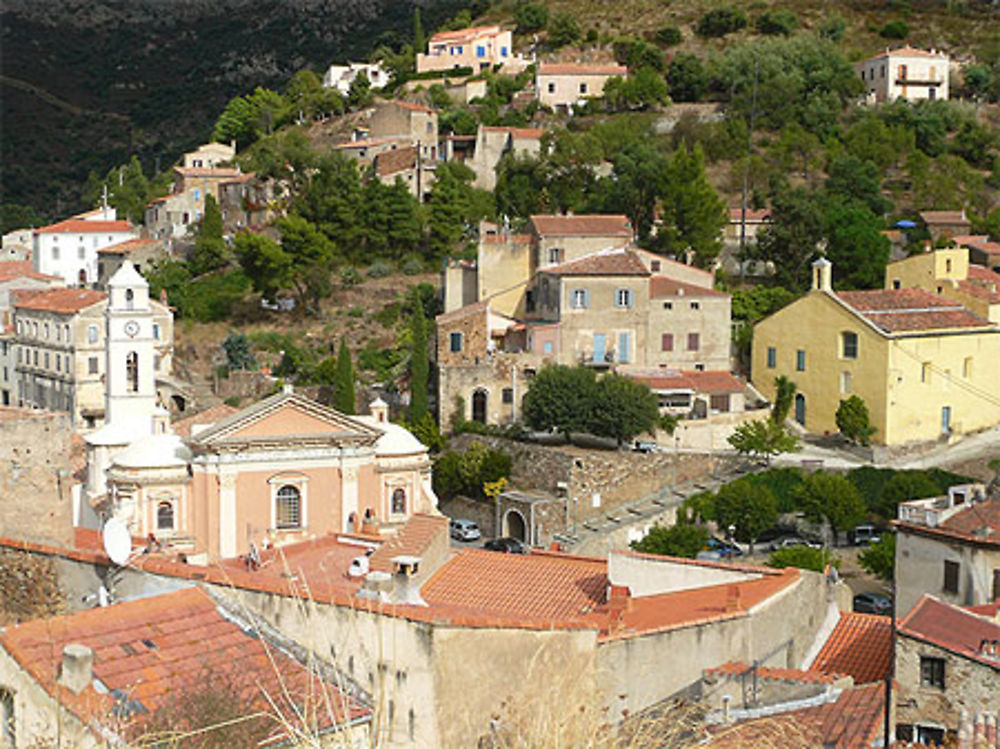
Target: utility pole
point(746, 168)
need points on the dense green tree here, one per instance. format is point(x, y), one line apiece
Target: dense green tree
point(748, 506)
point(642, 89)
point(669, 36)
point(687, 77)
point(210, 250)
point(784, 394)
point(419, 364)
point(419, 42)
point(776, 22)
point(14, 216)
point(879, 559)
point(856, 246)
point(903, 487)
point(452, 206)
point(239, 353)
point(853, 420)
point(895, 30)
point(307, 99)
point(803, 557)
point(264, 262)
point(791, 239)
point(311, 255)
point(563, 29)
point(560, 399)
point(623, 408)
point(637, 181)
point(530, 17)
point(360, 95)
point(834, 498)
point(856, 181)
point(762, 439)
point(721, 21)
point(466, 472)
point(693, 215)
point(247, 118)
point(681, 540)
point(128, 190)
point(330, 199)
point(343, 399)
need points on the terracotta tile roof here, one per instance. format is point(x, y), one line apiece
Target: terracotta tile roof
point(983, 283)
point(549, 68)
point(369, 142)
point(413, 539)
point(860, 646)
point(204, 171)
point(500, 238)
point(538, 586)
point(908, 51)
point(582, 226)
point(757, 215)
point(63, 301)
point(989, 610)
point(516, 132)
point(11, 269)
point(413, 106)
point(469, 309)
point(711, 381)
point(738, 668)
point(617, 262)
point(905, 310)
point(661, 287)
point(954, 629)
point(932, 218)
point(156, 649)
point(395, 161)
point(974, 521)
point(854, 721)
point(123, 248)
point(463, 34)
point(83, 226)
point(211, 415)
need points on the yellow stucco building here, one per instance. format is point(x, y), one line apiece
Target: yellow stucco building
point(925, 365)
point(949, 273)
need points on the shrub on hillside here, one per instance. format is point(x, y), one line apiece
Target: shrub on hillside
point(895, 30)
point(379, 269)
point(530, 17)
point(669, 36)
point(776, 22)
point(721, 21)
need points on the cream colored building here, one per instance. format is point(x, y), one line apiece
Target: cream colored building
point(948, 273)
point(924, 365)
point(59, 351)
point(560, 86)
point(905, 73)
point(493, 143)
point(209, 156)
point(478, 47)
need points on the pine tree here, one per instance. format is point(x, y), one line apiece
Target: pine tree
point(343, 399)
point(419, 43)
point(693, 212)
point(419, 365)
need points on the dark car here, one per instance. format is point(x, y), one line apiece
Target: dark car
point(506, 545)
point(725, 549)
point(873, 603)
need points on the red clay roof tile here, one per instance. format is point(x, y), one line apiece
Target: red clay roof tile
point(413, 539)
point(63, 301)
point(551, 68)
point(83, 226)
point(597, 225)
point(953, 628)
point(860, 646)
point(618, 262)
point(906, 310)
point(661, 287)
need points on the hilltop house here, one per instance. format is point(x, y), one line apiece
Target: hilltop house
point(921, 362)
point(69, 248)
point(562, 85)
point(947, 224)
point(478, 47)
point(905, 73)
point(209, 156)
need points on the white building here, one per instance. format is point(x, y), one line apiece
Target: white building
point(68, 249)
point(341, 77)
point(905, 73)
point(210, 156)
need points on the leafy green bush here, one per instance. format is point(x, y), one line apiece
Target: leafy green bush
point(379, 269)
point(784, 483)
point(412, 266)
point(681, 540)
point(853, 420)
point(350, 276)
point(895, 30)
point(466, 472)
point(721, 21)
point(669, 36)
point(530, 17)
point(388, 315)
point(563, 29)
point(880, 558)
point(803, 557)
point(777, 22)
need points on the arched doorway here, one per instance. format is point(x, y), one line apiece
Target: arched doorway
point(479, 406)
point(82, 277)
point(800, 408)
point(514, 525)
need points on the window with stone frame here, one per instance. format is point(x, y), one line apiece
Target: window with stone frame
point(951, 575)
point(288, 508)
point(932, 672)
point(165, 516)
point(398, 505)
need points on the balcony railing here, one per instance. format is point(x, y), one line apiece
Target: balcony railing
point(918, 82)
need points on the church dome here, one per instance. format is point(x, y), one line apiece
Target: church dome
point(395, 440)
point(155, 451)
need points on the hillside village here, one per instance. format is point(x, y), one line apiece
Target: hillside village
point(523, 385)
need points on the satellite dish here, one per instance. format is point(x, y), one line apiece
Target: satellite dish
point(117, 541)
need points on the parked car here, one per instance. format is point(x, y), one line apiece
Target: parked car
point(507, 545)
point(873, 603)
point(789, 541)
point(646, 446)
point(464, 530)
point(863, 535)
point(724, 548)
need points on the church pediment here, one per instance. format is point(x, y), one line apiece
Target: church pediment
point(287, 417)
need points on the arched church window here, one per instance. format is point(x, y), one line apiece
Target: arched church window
point(132, 371)
point(129, 299)
point(369, 515)
point(288, 507)
point(165, 516)
point(399, 502)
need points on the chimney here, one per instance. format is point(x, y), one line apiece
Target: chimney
point(288, 388)
point(77, 667)
point(733, 598)
point(618, 599)
point(406, 584)
point(379, 409)
point(822, 275)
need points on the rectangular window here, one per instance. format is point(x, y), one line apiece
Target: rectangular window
point(695, 305)
point(623, 298)
point(624, 348)
point(845, 383)
point(92, 334)
point(456, 342)
point(772, 357)
point(849, 345)
point(667, 342)
point(668, 305)
point(81, 253)
point(580, 299)
point(507, 395)
point(800, 361)
point(46, 360)
point(694, 341)
point(197, 194)
point(654, 266)
point(925, 372)
point(932, 672)
point(503, 51)
point(92, 365)
point(547, 347)
point(35, 357)
point(951, 572)
point(552, 88)
point(480, 51)
point(720, 402)
point(555, 254)
point(55, 253)
point(967, 367)
point(583, 88)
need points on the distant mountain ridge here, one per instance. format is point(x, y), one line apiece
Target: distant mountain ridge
point(151, 76)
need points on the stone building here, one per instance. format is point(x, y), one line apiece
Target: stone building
point(493, 143)
point(947, 668)
point(905, 73)
point(250, 202)
point(949, 547)
point(946, 223)
point(948, 273)
point(407, 121)
point(921, 362)
point(560, 86)
point(142, 253)
point(209, 156)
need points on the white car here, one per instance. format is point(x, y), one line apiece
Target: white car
point(464, 530)
point(790, 541)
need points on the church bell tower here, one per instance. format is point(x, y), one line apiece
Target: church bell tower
point(130, 388)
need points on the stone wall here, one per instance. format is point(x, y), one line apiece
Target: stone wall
point(482, 514)
point(35, 476)
point(598, 480)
